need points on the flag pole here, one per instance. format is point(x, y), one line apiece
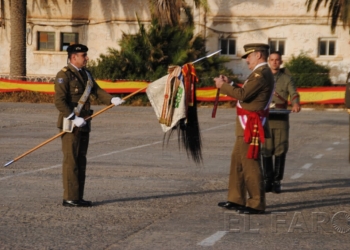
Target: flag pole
point(63, 132)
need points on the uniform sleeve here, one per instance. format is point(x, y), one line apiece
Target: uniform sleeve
point(62, 93)
point(250, 88)
point(101, 94)
point(294, 95)
point(347, 92)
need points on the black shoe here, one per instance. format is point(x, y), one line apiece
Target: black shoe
point(75, 203)
point(86, 203)
point(268, 186)
point(277, 187)
point(249, 210)
point(230, 205)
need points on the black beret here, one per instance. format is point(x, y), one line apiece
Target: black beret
point(252, 47)
point(76, 48)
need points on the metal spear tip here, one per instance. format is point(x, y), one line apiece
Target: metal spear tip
point(10, 162)
point(214, 53)
point(206, 56)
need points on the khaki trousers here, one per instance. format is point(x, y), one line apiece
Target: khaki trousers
point(349, 136)
point(278, 143)
point(74, 148)
point(245, 178)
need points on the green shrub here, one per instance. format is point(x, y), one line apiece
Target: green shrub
point(147, 54)
point(307, 73)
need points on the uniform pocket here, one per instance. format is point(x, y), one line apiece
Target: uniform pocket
point(75, 88)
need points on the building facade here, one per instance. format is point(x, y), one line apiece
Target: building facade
point(286, 25)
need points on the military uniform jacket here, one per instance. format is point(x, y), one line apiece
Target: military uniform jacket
point(347, 92)
point(255, 93)
point(284, 88)
point(69, 87)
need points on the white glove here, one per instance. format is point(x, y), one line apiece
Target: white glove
point(116, 101)
point(79, 122)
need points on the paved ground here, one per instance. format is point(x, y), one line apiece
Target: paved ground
point(150, 197)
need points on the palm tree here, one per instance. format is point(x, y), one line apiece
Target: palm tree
point(337, 10)
point(167, 12)
point(18, 57)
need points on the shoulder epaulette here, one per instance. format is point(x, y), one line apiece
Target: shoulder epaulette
point(64, 69)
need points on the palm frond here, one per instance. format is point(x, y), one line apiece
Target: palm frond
point(338, 10)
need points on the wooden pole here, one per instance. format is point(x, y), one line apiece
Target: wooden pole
point(216, 103)
point(63, 132)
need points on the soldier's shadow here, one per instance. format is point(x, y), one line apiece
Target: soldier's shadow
point(308, 204)
point(293, 187)
point(162, 196)
point(319, 201)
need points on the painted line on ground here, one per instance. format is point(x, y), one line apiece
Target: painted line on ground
point(334, 110)
point(105, 154)
point(296, 176)
point(212, 239)
point(318, 156)
point(307, 166)
point(29, 172)
point(314, 109)
point(124, 150)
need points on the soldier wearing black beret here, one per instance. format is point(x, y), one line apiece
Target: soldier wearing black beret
point(74, 86)
point(77, 48)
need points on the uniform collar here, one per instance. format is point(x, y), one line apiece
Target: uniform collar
point(259, 65)
point(277, 73)
point(75, 67)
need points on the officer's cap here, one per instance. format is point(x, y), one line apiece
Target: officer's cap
point(76, 48)
point(252, 47)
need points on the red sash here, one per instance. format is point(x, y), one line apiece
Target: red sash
point(253, 131)
point(190, 78)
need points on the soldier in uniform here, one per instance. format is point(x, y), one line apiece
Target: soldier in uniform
point(252, 108)
point(74, 86)
point(347, 102)
point(278, 120)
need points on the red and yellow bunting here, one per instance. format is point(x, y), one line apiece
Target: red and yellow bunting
point(325, 95)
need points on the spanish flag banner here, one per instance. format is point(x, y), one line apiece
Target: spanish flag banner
point(321, 95)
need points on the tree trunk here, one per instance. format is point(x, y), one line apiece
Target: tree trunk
point(18, 58)
point(166, 11)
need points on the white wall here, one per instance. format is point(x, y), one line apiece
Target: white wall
point(100, 24)
point(257, 21)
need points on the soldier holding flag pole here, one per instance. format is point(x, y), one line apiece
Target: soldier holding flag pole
point(74, 86)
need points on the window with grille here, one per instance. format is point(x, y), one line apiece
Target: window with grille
point(326, 47)
point(228, 46)
point(68, 39)
point(277, 45)
point(46, 40)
